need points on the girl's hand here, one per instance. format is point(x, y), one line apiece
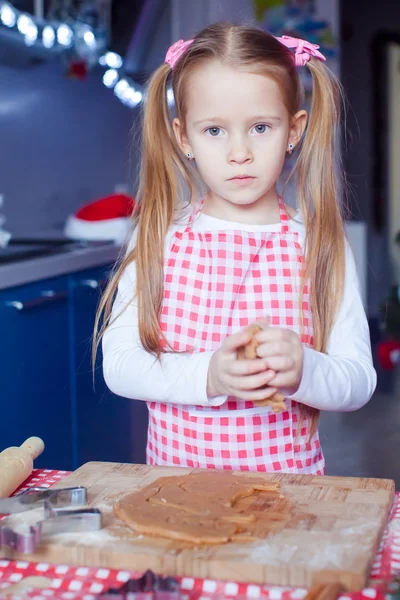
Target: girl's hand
point(283, 352)
point(229, 376)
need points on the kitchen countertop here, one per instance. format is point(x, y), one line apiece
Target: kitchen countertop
point(27, 271)
point(58, 263)
point(81, 583)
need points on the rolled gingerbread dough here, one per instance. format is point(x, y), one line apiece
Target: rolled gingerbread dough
point(211, 507)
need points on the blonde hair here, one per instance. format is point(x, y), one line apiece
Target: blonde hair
point(163, 166)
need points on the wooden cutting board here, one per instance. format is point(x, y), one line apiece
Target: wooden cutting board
point(336, 542)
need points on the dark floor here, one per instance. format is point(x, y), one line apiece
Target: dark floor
point(365, 443)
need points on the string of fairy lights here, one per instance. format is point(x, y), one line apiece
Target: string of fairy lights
point(74, 37)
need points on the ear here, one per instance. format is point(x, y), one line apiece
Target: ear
point(297, 127)
point(181, 137)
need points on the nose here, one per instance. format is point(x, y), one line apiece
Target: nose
point(240, 151)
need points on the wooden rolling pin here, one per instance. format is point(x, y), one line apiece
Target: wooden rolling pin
point(16, 464)
point(276, 401)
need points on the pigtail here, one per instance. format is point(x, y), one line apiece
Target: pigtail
point(319, 194)
point(319, 184)
point(158, 195)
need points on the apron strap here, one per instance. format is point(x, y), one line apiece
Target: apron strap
point(195, 211)
point(284, 217)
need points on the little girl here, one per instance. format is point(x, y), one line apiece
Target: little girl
point(197, 273)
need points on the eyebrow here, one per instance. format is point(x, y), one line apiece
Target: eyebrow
point(252, 120)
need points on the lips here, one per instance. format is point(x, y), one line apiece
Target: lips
point(241, 181)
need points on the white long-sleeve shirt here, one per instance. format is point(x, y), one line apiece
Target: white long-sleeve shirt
point(343, 379)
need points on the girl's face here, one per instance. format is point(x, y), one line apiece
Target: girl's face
point(238, 131)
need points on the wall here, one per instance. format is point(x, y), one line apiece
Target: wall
point(359, 28)
point(394, 153)
point(64, 142)
point(188, 17)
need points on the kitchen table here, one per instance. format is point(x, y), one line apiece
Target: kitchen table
point(84, 583)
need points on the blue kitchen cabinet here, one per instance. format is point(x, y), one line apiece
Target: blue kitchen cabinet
point(109, 428)
point(35, 359)
point(47, 387)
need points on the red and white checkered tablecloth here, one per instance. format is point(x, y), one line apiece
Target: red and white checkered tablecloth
point(84, 583)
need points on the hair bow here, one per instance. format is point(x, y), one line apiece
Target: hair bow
point(304, 50)
point(175, 51)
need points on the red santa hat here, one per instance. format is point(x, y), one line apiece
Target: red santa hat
point(108, 218)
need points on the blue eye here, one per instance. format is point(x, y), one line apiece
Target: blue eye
point(261, 128)
point(213, 131)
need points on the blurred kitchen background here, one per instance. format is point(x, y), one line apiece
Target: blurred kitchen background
point(72, 76)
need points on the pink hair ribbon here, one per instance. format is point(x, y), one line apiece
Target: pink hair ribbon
point(304, 50)
point(175, 51)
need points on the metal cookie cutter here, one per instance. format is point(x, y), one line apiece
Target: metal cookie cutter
point(62, 514)
point(148, 587)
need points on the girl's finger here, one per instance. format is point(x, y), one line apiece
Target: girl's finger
point(284, 380)
point(272, 334)
point(269, 349)
point(233, 342)
point(260, 394)
point(280, 363)
point(253, 382)
point(247, 367)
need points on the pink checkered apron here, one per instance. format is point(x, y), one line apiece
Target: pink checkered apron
point(216, 283)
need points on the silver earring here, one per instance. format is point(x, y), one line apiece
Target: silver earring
point(290, 148)
point(189, 156)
